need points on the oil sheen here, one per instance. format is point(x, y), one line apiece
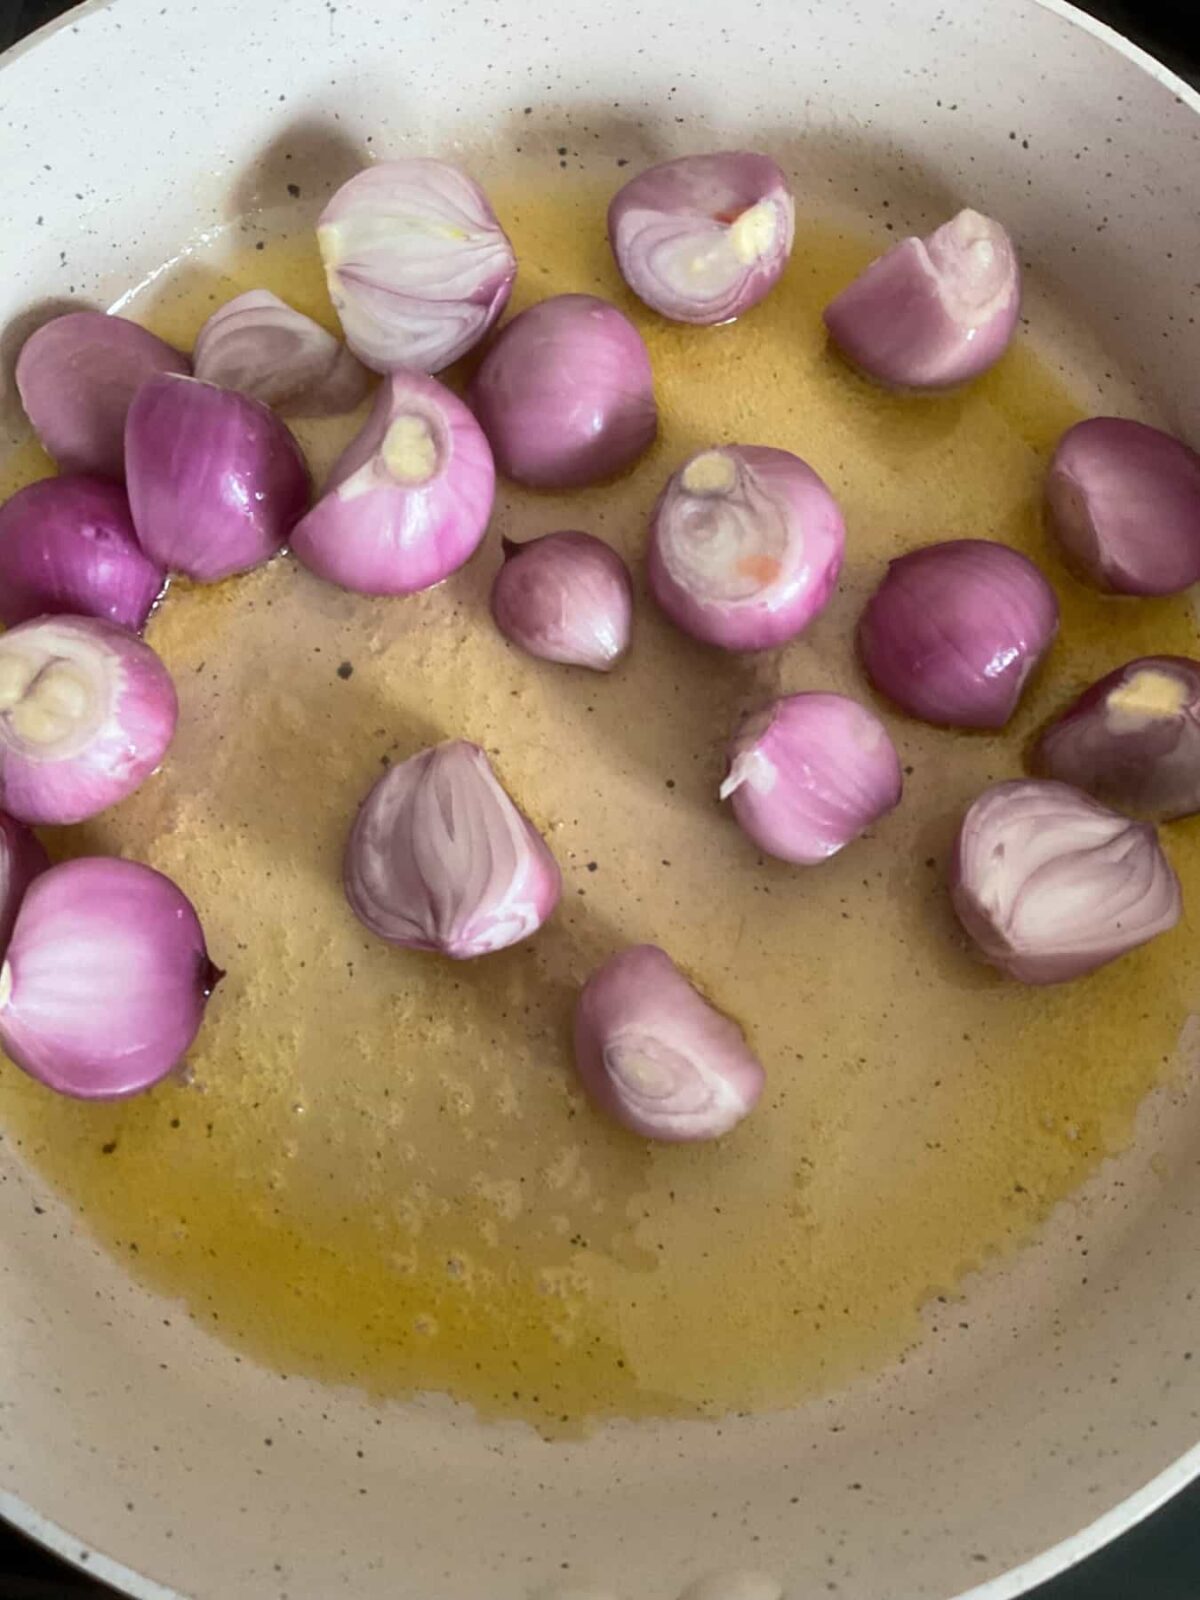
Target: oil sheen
point(377, 1167)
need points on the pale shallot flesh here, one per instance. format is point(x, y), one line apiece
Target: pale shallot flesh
point(86, 714)
point(440, 858)
point(656, 1056)
point(703, 238)
point(408, 502)
point(417, 265)
point(258, 344)
point(1051, 885)
point(746, 544)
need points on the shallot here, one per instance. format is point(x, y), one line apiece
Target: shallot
point(408, 501)
point(1123, 501)
point(1051, 885)
point(216, 481)
point(440, 858)
point(1132, 739)
point(746, 545)
point(68, 545)
point(105, 979)
point(954, 631)
point(932, 312)
point(418, 267)
point(566, 394)
point(258, 344)
point(703, 238)
point(656, 1056)
point(565, 597)
point(809, 774)
point(77, 377)
point(86, 714)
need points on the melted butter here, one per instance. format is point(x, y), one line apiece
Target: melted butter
point(377, 1168)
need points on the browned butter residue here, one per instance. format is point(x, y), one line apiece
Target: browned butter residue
point(379, 1168)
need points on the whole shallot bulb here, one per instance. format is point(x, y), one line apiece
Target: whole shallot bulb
point(932, 312)
point(809, 774)
point(418, 267)
point(216, 481)
point(68, 545)
point(703, 238)
point(105, 980)
point(1051, 885)
point(1132, 739)
point(656, 1057)
point(408, 501)
point(77, 377)
point(1123, 502)
point(566, 394)
point(86, 714)
point(954, 631)
point(746, 546)
point(440, 858)
point(22, 858)
point(258, 344)
point(565, 597)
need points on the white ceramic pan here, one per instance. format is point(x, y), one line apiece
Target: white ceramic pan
point(1064, 1402)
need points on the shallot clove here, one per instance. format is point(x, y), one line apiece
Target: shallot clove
point(68, 545)
point(566, 394)
point(656, 1056)
point(418, 267)
point(216, 481)
point(77, 376)
point(932, 312)
point(1051, 885)
point(809, 774)
point(703, 238)
point(565, 597)
point(105, 980)
point(408, 501)
point(1123, 502)
point(1132, 739)
point(86, 714)
point(440, 858)
point(955, 629)
point(746, 544)
point(258, 344)
point(22, 858)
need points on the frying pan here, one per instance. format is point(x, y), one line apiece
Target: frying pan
point(1069, 1405)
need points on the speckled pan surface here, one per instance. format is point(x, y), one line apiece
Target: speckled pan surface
point(1061, 1398)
